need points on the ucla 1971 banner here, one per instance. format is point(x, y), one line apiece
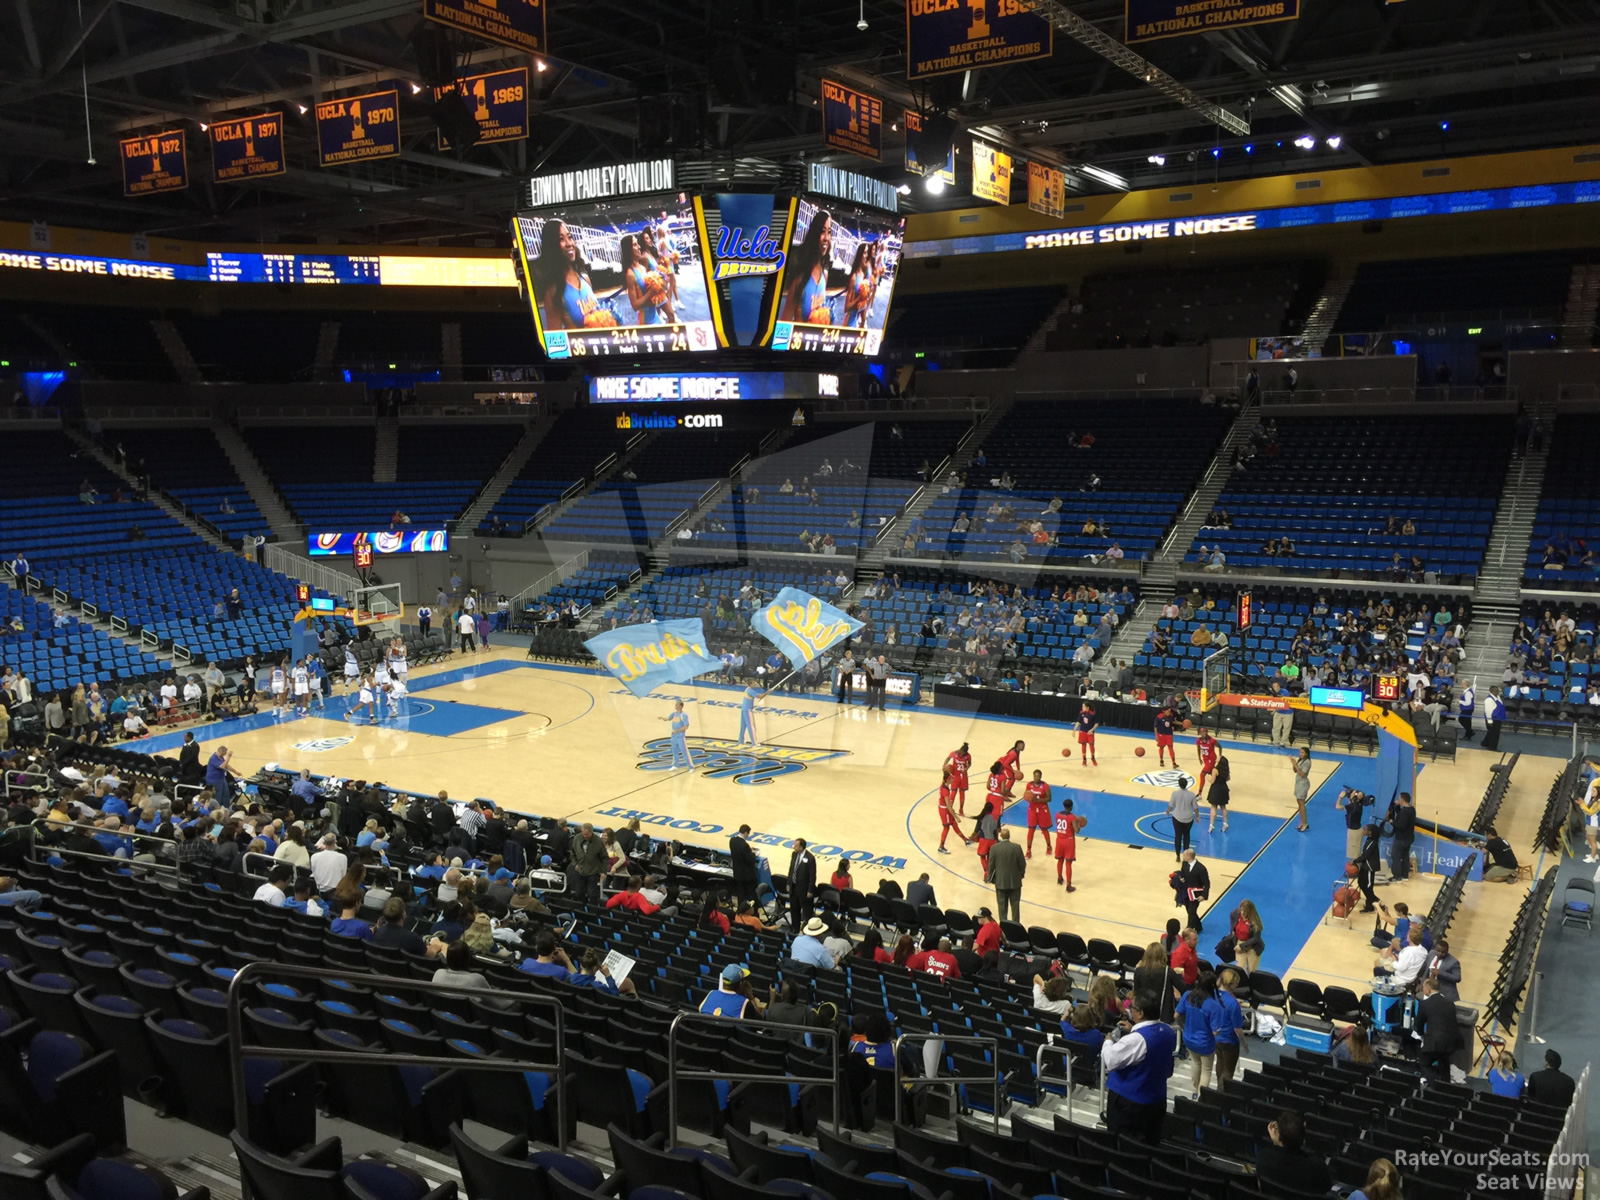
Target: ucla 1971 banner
point(852, 121)
point(1148, 20)
point(802, 626)
point(247, 148)
point(358, 128)
point(515, 23)
point(1047, 188)
point(991, 173)
point(499, 103)
point(643, 657)
point(154, 162)
point(945, 36)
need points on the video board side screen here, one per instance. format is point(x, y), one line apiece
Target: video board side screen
point(839, 278)
point(617, 277)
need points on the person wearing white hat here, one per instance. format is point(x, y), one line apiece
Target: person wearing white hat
point(807, 946)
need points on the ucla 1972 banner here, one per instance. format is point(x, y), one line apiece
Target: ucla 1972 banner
point(852, 121)
point(499, 103)
point(358, 128)
point(154, 162)
point(515, 23)
point(1148, 20)
point(247, 148)
point(945, 36)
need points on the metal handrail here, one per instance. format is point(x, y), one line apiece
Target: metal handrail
point(1068, 1051)
point(41, 825)
point(563, 572)
point(674, 1073)
point(238, 1051)
point(994, 1081)
point(277, 557)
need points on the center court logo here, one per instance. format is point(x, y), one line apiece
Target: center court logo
point(320, 745)
point(1162, 779)
point(724, 758)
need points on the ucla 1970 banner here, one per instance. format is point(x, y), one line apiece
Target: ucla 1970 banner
point(945, 36)
point(1148, 20)
point(358, 128)
point(154, 162)
point(247, 148)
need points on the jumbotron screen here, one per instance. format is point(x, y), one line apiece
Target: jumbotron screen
point(839, 278)
point(617, 277)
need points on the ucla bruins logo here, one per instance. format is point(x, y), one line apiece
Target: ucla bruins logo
point(724, 758)
point(1170, 778)
point(319, 745)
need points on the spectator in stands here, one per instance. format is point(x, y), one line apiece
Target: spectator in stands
point(938, 961)
point(588, 863)
point(1505, 1080)
point(807, 947)
point(349, 923)
point(280, 882)
point(1138, 1064)
point(1551, 1085)
point(549, 959)
point(1283, 1160)
point(220, 773)
point(1216, 561)
point(11, 896)
point(457, 972)
point(329, 865)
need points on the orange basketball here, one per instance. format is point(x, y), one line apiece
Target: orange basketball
point(1067, 753)
point(1351, 870)
point(1138, 751)
point(1187, 724)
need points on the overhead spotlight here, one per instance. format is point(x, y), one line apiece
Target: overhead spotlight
point(1160, 160)
point(1444, 126)
point(934, 185)
point(204, 127)
point(303, 109)
point(416, 89)
point(1335, 142)
point(1249, 148)
point(895, 126)
point(1109, 178)
point(861, 23)
point(540, 65)
point(904, 189)
point(1306, 142)
point(1216, 152)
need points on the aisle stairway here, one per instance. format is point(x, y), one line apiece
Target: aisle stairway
point(155, 496)
point(177, 351)
point(633, 449)
point(327, 347)
point(1577, 315)
point(386, 448)
point(1325, 312)
point(450, 345)
point(254, 477)
point(505, 474)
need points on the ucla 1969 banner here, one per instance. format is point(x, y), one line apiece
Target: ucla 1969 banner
point(991, 173)
point(802, 626)
point(154, 162)
point(499, 102)
point(358, 128)
point(247, 148)
point(1148, 20)
point(852, 121)
point(945, 36)
point(1047, 188)
point(643, 657)
point(515, 23)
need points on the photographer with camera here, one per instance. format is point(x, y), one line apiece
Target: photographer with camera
point(1353, 804)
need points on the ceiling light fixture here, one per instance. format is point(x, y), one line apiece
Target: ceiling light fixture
point(1306, 142)
point(934, 184)
point(540, 65)
point(1335, 142)
point(416, 89)
point(204, 127)
point(1160, 160)
point(904, 189)
point(1108, 178)
point(302, 108)
point(861, 24)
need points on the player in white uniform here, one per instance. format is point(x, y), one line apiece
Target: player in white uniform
point(365, 694)
point(301, 678)
point(279, 687)
point(397, 695)
point(315, 677)
point(397, 660)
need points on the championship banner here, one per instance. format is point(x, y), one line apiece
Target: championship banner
point(358, 128)
point(991, 173)
point(499, 103)
point(945, 36)
point(802, 626)
point(1047, 190)
point(1150, 20)
point(247, 148)
point(643, 657)
point(515, 23)
point(852, 121)
point(913, 123)
point(154, 162)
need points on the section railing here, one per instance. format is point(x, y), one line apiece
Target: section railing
point(992, 1080)
point(336, 583)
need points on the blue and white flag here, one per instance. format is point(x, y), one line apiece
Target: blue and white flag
point(801, 626)
point(646, 656)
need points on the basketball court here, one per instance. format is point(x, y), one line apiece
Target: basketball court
point(573, 743)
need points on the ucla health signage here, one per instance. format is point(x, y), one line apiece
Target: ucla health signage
point(358, 128)
point(711, 385)
point(516, 23)
point(499, 103)
point(381, 541)
point(1148, 20)
point(1440, 204)
point(247, 148)
point(852, 121)
point(945, 36)
point(154, 163)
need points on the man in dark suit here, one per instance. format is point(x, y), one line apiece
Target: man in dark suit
point(492, 839)
point(1192, 882)
point(1441, 1036)
point(919, 892)
point(1404, 818)
point(746, 871)
point(1551, 1085)
point(442, 816)
point(802, 883)
point(189, 769)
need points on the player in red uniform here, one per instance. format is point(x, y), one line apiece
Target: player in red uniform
point(1011, 762)
point(1067, 829)
point(1037, 794)
point(958, 763)
point(999, 791)
point(1206, 746)
point(1086, 726)
point(947, 819)
point(1164, 721)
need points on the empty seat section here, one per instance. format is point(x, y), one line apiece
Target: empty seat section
point(1565, 547)
point(190, 464)
point(998, 318)
point(566, 455)
point(1428, 288)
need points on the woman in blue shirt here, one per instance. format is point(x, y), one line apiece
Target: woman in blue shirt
point(566, 297)
point(1505, 1079)
point(646, 290)
point(806, 301)
point(347, 924)
point(873, 1039)
point(1198, 1015)
point(1228, 1021)
point(1082, 1029)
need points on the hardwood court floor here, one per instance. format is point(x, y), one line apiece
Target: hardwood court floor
point(574, 744)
